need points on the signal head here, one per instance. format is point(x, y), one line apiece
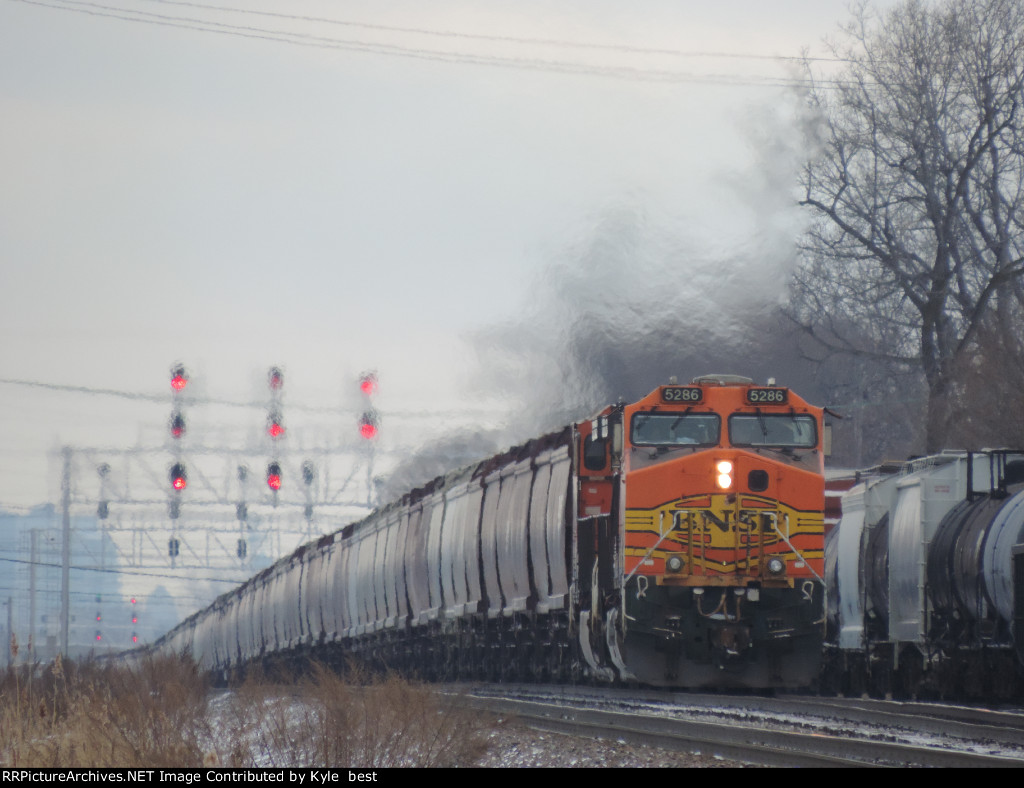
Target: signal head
point(368, 425)
point(274, 476)
point(177, 424)
point(275, 379)
point(275, 426)
point(368, 383)
point(178, 476)
point(179, 377)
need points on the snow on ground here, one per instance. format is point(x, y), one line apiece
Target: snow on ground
point(274, 731)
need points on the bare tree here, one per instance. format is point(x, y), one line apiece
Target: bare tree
point(917, 194)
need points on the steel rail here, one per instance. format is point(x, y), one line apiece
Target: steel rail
point(942, 719)
point(734, 740)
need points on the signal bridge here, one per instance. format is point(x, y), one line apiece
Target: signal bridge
point(187, 504)
point(210, 489)
point(217, 507)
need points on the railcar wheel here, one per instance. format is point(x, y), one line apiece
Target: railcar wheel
point(879, 675)
point(908, 676)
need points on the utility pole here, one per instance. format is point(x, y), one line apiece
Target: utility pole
point(33, 558)
point(10, 631)
point(65, 553)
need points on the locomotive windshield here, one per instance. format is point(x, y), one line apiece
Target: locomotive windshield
point(675, 429)
point(776, 430)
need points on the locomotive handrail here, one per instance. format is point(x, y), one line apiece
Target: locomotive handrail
point(646, 556)
point(789, 544)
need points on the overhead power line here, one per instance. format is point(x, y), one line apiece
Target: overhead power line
point(531, 41)
point(85, 390)
point(445, 56)
point(259, 404)
point(189, 577)
point(118, 598)
point(144, 397)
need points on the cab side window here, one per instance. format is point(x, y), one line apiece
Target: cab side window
point(595, 453)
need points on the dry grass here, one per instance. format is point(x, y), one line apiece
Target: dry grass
point(160, 714)
point(92, 715)
point(359, 721)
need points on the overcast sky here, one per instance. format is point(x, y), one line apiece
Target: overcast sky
point(337, 186)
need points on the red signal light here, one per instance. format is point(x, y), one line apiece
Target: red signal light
point(179, 479)
point(133, 600)
point(135, 619)
point(275, 424)
point(275, 378)
point(135, 638)
point(179, 378)
point(368, 426)
point(177, 425)
point(274, 476)
point(368, 383)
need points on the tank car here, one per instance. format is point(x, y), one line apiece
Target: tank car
point(921, 579)
point(674, 541)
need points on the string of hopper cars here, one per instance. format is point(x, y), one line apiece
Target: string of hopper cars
point(674, 541)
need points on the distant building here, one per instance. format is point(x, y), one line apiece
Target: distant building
point(111, 608)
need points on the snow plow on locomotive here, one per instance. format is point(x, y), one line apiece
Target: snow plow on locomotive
point(675, 541)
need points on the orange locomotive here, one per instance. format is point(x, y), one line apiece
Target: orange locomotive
point(700, 534)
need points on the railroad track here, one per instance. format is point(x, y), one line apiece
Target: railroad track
point(771, 731)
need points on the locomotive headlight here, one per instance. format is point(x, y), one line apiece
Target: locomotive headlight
point(776, 566)
point(674, 564)
point(724, 468)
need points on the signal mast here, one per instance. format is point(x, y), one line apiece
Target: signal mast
point(178, 474)
point(369, 425)
point(275, 429)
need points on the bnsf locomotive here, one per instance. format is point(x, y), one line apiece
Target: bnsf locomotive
point(674, 541)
